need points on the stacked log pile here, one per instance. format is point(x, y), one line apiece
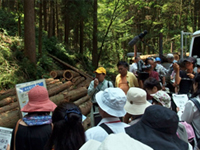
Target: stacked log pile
point(71, 87)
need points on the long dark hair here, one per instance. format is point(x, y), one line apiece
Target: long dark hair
point(68, 132)
point(197, 81)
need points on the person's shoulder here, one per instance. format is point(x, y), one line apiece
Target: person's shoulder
point(118, 75)
point(94, 130)
point(95, 133)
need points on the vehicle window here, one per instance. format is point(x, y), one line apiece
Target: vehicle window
point(196, 47)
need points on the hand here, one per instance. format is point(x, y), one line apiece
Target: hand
point(176, 67)
point(177, 109)
point(191, 76)
point(163, 88)
point(96, 82)
point(8, 147)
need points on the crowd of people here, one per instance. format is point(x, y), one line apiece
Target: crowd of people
point(138, 113)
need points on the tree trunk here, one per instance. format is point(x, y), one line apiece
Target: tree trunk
point(95, 48)
point(87, 123)
point(71, 67)
point(19, 18)
point(40, 30)
point(75, 94)
point(9, 119)
point(54, 85)
point(86, 107)
point(81, 35)
point(75, 79)
point(8, 100)
point(45, 14)
point(82, 100)
point(67, 29)
point(56, 90)
point(29, 30)
point(51, 20)
point(57, 98)
point(10, 92)
point(85, 83)
point(9, 107)
point(56, 73)
point(57, 20)
point(69, 74)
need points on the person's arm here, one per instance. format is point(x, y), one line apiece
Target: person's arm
point(91, 90)
point(163, 82)
point(135, 81)
point(177, 76)
point(126, 118)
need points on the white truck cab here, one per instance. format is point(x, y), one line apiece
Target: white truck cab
point(195, 45)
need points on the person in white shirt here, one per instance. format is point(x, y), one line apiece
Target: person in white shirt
point(111, 103)
point(191, 114)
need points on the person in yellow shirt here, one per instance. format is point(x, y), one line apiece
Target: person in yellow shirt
point(125, 79)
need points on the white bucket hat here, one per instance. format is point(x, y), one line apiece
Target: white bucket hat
point(136, 101)
point(120, 141)
point(112, 101)
point(163, 98)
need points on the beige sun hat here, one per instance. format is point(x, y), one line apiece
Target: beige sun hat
point(119, 141)
point(136, 101)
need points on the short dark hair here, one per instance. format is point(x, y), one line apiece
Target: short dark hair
point(68, 132)
point(151, 82)
point(122, 63)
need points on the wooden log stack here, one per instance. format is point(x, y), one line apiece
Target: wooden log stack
point(73, 89)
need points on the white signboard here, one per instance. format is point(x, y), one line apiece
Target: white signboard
point(5, 137)
point(180, 100)
point(22, 91)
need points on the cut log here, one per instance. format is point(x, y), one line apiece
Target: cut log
point(9, 107)
point(57, 98)
point(86, 123)
point(9, 118)
point(10, 92)
point(8, 100)
point(54, 85)
point(56, 73)
point(86, 107)
point(48, 80)
point(82, 100)
point(79, 81)
point(53, 81)
point(71, 67)
point(75, 79)
point(69, 74)
point(75, 94)
point(85, 83)
point(58, 89)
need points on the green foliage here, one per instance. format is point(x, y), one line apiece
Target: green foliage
point(8, 22)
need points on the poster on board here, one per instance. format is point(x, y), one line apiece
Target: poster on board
point(180, 100)
point(22, 92)
point(5, 137)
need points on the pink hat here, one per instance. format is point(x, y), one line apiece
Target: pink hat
point(39, 101)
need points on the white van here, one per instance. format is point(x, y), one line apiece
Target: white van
point(195, 45)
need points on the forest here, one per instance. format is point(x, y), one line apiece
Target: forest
point(86, 33)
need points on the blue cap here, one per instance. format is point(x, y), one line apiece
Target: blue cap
point(157, 59)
